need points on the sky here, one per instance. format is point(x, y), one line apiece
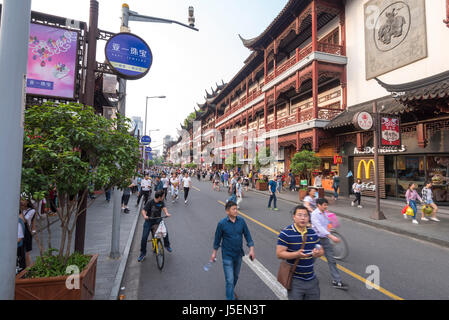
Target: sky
point(185, 62)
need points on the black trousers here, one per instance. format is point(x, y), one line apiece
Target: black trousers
point(358, 197)
point(186, 193)
point(146, 196)
point(125, 199)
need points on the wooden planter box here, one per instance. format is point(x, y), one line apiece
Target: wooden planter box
point(54, 288)
point(302, 194)
point(261, 186)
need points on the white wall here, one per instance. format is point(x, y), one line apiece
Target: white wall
point(437, 61)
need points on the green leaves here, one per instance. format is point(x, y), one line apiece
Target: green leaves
point(304, 162)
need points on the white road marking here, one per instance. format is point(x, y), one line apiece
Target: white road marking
point(267, 277)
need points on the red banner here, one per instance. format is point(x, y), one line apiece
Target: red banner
point(390, 131)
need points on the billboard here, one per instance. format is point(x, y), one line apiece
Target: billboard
point(52, 61)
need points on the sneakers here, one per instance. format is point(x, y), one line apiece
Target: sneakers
point(359, 207)
point(352, 204)
point(275, 209)
point(269, 208)
point(415, 221)
point(126, 210)
point(435, 219)
point(405, 216)
point(169, 249)
point(141, 258)
point(424, 219)
point(339, 285)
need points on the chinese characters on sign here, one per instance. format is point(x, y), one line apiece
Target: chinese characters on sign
point(129, 56)
point(52, 59)
point(390, 132)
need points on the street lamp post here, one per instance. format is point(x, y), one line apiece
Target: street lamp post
point(14, 33)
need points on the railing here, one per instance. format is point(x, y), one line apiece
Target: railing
point(244, 102)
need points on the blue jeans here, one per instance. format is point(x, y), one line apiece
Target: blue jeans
point(273, 196)
point(335, 191)
point(233, 198)
point(412, 204)
point(145, 234)
point(108, 194)
point(279, 186)
point(231, 268)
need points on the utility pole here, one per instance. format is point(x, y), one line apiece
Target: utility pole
point(14, 34)
point(89, 90)
point(377, 214)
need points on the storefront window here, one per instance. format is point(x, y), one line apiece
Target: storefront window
point(410, 169)
point(390, 176)
point(438, 173)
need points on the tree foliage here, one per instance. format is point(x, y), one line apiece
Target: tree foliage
point(70, 148)
point(304, 162)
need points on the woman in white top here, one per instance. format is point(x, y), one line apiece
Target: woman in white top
point(187, 183)
point(174, 182)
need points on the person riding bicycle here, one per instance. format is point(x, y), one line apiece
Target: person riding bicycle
point(320, 223)
point(310, 200)
point(152, 215)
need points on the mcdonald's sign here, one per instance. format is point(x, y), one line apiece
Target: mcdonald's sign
point(366, 167)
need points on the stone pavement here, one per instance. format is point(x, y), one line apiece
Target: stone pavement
point(98, 240)
point(435, 232)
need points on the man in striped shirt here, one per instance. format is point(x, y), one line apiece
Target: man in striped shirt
point(305, 285)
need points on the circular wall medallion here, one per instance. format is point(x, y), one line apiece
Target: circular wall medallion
point(363, 120)
point(392, 26)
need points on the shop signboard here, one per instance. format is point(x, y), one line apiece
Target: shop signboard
point(390, 132)
point(128, 55)
point(52, 61)
point(363, 121)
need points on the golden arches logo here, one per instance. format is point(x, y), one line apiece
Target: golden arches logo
point(366, 166)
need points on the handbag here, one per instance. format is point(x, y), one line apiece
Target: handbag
point(285, 272)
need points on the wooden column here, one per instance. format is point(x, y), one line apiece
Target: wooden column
point(265, 111)
point(343, 32)
point(315, 88)
point(275, 109)
point(297, 141)
point(344, 89)
point(315, 141)
point(447, 14)
point(314, 27)
point(359, 140)
point(421, 134)
point(265, 65)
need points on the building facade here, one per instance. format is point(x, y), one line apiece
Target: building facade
point(314, 67)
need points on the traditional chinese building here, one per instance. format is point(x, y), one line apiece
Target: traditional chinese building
point(402, 66)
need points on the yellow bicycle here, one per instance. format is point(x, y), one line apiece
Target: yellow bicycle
point(158, 244)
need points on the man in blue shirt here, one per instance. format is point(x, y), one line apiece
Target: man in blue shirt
point(272, 188)
point(229, 235)
point(305, 285)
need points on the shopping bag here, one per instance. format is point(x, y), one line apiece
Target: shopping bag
point(410, 212)
point(427, 210)
point(404, 210)
point(333, 219)
point(161, 231)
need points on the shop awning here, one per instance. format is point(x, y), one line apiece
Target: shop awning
point(389, 104)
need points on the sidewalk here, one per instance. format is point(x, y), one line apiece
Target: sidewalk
point(435, 232)
point(98, 240)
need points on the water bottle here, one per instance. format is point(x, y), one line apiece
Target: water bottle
point(208, 265)
point(318, 246)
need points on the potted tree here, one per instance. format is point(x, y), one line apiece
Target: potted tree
point(70, 149)
point(302, 164)
point(261, 160)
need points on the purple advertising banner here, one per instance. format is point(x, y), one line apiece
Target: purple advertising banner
point(52, 61)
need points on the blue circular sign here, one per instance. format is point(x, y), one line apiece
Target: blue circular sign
point(128, 55)
point(148, 149)
point(145, 140)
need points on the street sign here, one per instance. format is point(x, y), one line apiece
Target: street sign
point(148, 149)
point(145, 140)
point(128, 55)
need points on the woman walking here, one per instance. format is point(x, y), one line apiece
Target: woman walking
point(427, 196)
point(357, 189)
point(411, 195)
point(336, 185)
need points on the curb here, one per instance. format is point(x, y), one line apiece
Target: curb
point(121, 270)
point(381, 226)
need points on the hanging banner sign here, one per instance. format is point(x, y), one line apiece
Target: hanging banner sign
point(390, 132)
point(52, 61)
point(128, 55)
point(363, 121)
